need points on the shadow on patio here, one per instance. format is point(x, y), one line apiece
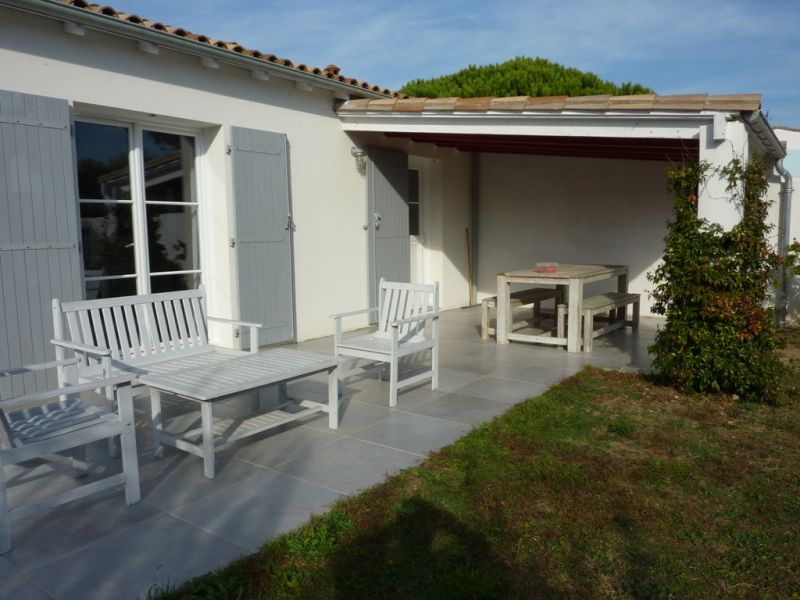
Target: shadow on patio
point(187, 525)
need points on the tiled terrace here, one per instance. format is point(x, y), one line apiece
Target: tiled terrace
point(186, 525)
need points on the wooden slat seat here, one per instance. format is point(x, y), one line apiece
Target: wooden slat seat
point(534, 296)
point(42, 424)
point(612, 303)
point(404, 310)
point(136, 335)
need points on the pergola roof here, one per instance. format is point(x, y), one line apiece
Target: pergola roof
point(640, 127)
point(521, 104)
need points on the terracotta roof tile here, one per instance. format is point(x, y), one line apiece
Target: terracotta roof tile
point(638, 102)
point(545, 103)
point(598, 102)
point(440, 103)
point(480, 103)
point(511, 103)
point(327, 73)
point(648, 102)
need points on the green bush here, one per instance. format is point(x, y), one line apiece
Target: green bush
point(713, 288)
point(520, 76)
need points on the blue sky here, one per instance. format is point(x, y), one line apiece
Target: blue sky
point(672, 46)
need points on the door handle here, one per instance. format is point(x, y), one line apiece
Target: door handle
point(376, 217)
point(290, 226)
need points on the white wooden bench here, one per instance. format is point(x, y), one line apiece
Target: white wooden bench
point(404, 310)
point(611, 303)
point(533, 296)
point(141, 335)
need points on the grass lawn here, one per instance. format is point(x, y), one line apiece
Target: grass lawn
point(605, 486)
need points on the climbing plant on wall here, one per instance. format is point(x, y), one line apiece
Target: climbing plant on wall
point(713, 289)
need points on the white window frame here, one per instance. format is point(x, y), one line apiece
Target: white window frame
point(139, 202)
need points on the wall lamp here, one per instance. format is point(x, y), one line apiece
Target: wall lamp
point(361, 159)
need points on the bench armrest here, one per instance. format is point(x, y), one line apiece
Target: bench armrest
point(96, 350)
point(38, 367)
point(353, 313)
point(235, 322)
point(66, 390)
point(415, 319)
point(254, 327)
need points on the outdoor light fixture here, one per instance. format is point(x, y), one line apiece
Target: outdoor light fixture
point(361, 159)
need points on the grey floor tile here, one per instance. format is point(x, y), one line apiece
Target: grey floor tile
point(413, 433)
point(502, 390)
point(46, 537)
point(450, 379)
point(372, 391)
point(462, 409)
point(283, 444)
point(533, 373)
point(349, 465)
point(15, 586)
point(257, 509)
point(353, 416)
point(160, 551)
point(178, 478)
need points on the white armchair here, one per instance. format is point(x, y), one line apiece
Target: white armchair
point(44, 423)
point(405, 309)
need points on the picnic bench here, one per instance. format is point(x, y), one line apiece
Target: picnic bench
point(152, 335)
point(614, 304)
point(533, 296)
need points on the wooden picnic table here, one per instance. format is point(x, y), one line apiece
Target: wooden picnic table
point(573, 277)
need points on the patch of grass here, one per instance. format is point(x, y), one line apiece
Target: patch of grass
point(607, 485)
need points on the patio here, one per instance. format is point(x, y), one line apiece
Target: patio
point(187, 525)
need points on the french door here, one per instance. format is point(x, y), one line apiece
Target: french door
point(137, 192)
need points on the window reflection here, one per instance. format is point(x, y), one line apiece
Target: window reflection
point(172, 237)
point(107, 232)
point(102, 155)
point(168, 167)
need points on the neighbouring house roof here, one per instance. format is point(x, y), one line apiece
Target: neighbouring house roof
point(331, 72)
point(641, 102)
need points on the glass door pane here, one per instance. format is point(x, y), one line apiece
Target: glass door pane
point(171, 205)
point(106, 209)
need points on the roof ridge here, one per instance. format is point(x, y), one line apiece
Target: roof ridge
point(330, 72)
point(600, 102)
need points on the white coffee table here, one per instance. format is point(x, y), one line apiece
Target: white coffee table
point(219, 381)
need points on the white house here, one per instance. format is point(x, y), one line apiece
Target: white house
point(139, 157)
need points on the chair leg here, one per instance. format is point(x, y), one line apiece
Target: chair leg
point(435, 367)
point(130, 459)
point(80, 465)
point(333, 400)
point(561, 313)
point(588, 330)
point(393, 381)
point(635, 317)
point(5, 516)
point(484, 320)
point(113, 445)
point(158, 423)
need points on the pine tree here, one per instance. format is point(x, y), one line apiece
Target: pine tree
point(521, 76)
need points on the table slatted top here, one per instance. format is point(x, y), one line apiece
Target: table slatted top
point(568, 271)
point(239, 374)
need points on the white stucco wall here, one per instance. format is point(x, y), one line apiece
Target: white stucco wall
point(328, 194)
point(571, 210)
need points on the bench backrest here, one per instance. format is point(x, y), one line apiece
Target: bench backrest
point(404, 300)
point(137, 328)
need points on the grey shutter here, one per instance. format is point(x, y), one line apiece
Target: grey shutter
point(263, 239)
point(389, 242)
point(39, 253)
